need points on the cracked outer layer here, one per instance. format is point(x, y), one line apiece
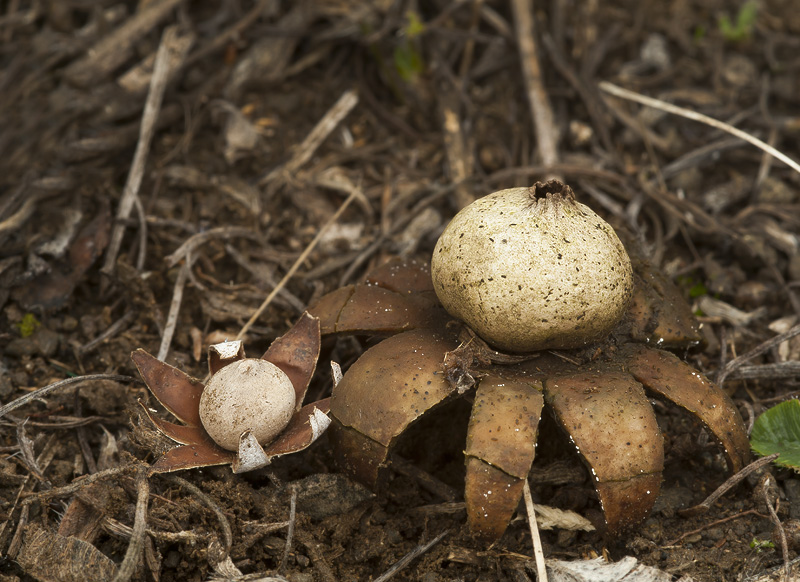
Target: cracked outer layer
point(612, 424)
point(601, 404)
point(397, 296)
point(501, 444)
point(384, 391)
point(670, 377)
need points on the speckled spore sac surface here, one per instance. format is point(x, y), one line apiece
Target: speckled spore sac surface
point(250, 394)
point(531, 269)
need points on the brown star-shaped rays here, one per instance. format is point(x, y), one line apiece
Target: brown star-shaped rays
point(295, 353)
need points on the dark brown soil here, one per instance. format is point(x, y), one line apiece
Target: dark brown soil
point(442, 117)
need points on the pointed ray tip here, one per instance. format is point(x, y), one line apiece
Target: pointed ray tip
point(227, 350)
point(319, 422)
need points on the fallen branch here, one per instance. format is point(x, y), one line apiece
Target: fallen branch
point(136, 545)
point(538, 552)
point(542, 113)
point(694, 116)
point(170, 55)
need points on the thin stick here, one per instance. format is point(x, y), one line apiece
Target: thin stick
point(114, 48)
point(16, 541)
point(230, 34)
point(425, 479)
point(694, 116)
point(542, 113)
point(289, 532)
point(290, 273)
point(42, 392)
point(729, 483)
point(713, 524)
point(773, 371)
point(76, 484)
point(43, 460)
point(110, 331)
point(763, 347)
point(131, 559)
point(538, 553)
point(227, 534)
point(119, 529)
point(170, 55)
point(406, 560)
point(174, 309)
point(83, 441)
point(200, 238)
point(317, 558)
point(314, 139)
point(777, 522)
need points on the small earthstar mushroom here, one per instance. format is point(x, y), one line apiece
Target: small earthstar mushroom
point(249, 412)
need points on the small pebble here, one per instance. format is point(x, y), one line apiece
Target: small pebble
point(791, 528)
point(302, 560)
point(326, 494)
point(751, 294)
point(6, 386)
point(652, 530)
point(794, 268)
point(393, 535)
point(714, 533)
point(693, 538)
point(42, 342)
point(792, 489)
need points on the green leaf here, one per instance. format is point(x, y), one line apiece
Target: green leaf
point(407, 57)
point(778, 431)
point(407, 61)
point(747, 16)
point(699, 33)
point(414, 25)
point(698, 290)
point(28, 325)
point(745, 22)
point(759, 545)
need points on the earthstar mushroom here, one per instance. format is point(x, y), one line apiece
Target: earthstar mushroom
point(249, 412)
point(598, 387)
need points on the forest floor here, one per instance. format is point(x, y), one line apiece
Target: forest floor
point(157, 210)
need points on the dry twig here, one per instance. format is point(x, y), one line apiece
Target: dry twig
point(409, 557)
point(170, 55)
point(75, 486)
point(293, 269)
point(712, 524)
point(693, 115)
point(765, 487)
point(42, 392)
point(729, 483)
point(289, 532)
point(115, 48)
point(321, 131)
point(545, 128)
point(227, 534)
point(174, 309)
point(763, 347)
point(196, 240)
point(131, 559)
point(313, 549)
point(538, 552)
